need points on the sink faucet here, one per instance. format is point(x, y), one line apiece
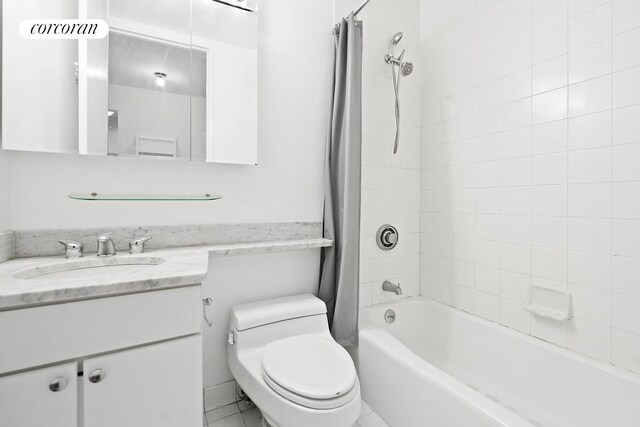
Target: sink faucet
point(106, 247)
point(72, 249)
point(391, 287)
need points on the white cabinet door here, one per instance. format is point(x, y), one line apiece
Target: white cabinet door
point(43, 397)
point(159, 385)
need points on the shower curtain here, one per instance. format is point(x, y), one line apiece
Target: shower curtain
point(339, 277)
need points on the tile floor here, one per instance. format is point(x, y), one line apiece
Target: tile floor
point(242, 414)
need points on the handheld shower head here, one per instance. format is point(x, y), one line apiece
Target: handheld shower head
point(406, 68)
point(396, 38)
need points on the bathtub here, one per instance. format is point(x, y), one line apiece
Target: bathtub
point(436, 366)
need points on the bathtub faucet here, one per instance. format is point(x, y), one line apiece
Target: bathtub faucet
point(391, 287)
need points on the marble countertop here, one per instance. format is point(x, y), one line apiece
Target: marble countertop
point(181, 267)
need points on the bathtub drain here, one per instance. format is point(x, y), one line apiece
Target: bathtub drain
point(389, 316)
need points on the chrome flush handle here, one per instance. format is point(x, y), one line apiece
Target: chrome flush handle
point(206, 302)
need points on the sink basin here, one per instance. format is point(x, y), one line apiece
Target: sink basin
point(89, 268)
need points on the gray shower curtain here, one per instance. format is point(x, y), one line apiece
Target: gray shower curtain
point(339, 277)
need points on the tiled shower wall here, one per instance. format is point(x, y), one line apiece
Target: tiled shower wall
point(531, 165)
point(390, 183)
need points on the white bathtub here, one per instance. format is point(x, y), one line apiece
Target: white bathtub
point(436, 366)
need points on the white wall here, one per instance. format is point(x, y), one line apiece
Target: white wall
point(390, 182)
point(286, 185)
point(531, 170)
point(4, 191)
point(156, 114)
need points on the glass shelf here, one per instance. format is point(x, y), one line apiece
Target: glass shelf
point(145, 197)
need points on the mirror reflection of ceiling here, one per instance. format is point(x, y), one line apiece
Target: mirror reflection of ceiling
point(133, 62)
point(170, 14)
point(211, 20)
point(226, 24)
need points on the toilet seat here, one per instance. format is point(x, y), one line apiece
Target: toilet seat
point(310, 370)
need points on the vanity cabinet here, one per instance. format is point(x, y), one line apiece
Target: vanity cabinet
point(129, 361)
point(157, 386)
point(42, 397)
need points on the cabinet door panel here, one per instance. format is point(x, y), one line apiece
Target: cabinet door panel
point(27, 401)
point(159, 385)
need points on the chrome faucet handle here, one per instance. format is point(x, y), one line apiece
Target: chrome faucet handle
point(72, 249)
point(106, 247)
point(136, 246)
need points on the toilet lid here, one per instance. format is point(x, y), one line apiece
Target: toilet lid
point(309, 366)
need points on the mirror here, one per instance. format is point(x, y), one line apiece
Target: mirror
point(174, 79)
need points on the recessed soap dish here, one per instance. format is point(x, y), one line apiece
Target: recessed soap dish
point(550, 303)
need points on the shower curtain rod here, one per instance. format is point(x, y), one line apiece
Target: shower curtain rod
point(361, 7)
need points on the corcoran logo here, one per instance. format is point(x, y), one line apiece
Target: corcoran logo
point(64, 29)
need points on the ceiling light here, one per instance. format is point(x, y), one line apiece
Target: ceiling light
point(160, 79)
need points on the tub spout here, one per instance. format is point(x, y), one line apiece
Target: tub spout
point(391, 287)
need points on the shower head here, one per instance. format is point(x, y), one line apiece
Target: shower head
point(406, 68)
point(396, 38)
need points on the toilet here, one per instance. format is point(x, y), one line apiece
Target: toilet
point(282, 355)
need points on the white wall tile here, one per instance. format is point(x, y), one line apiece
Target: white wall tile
point(625, 50)
point(626, 313)
point(530, 164)
point(590, 200)
point(516, 171)
point(515, 286)
point(578, 7)
point(590, 235)
point(591, 96)
point(590, 62)
point(550, 200)
point(549, 75)
point(550, 44)
point(590, 339)
point(549, 137)
point(626, 90)
point(549, 169)
point(514, 316)
point(549, 231)
point(625, 350)
point(590, 269)
point(515, 229)
point(591, 304)
point(626, 200)
point(516, 28)
point(549, 331)
point(548, 14)
point(516, 57)
point(464, 298)
point(516, 85)
point(516, 143)
point(592, 165)
point(626, 234)
point(626, 15)
point(487, 279)
point(549, 263)
point(626, 126)
point(626, 162)
point(626, 275)
point(516, 257)
point(550, 106)
point(516, 200)
point(593, 130)
point(590, 27)
point(488, 306)
point(516, 114)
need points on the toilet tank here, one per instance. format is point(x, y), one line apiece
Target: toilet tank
point(264, 321)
